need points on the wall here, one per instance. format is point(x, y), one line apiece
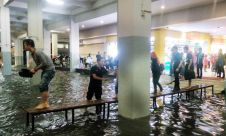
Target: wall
point(93, 49)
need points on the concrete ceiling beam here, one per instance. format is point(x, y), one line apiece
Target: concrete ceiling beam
point(7, 2)
point(195, 14)
point(97, 4)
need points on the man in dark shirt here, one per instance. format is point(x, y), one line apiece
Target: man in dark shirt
point(96, 78)
point(200, 56)
point(95, 84)
point(44, 63)
point(177, 63)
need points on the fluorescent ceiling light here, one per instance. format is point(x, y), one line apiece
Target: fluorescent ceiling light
point(162, 7)
point(56, 2)
point(55, 31)
point(101, 21)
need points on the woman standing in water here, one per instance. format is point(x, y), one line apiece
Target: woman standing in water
point(189, 73)
point(156, 72)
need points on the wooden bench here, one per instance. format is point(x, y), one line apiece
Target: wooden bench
point(65, 107)
point(183, 90)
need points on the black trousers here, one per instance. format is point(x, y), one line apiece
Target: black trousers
point(220, 70)
point(199, 70)
point(156, 82)
point(177, 80)
point(97, 90)
point(94, 89)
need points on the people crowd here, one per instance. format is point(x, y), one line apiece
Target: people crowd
point(188, 65)
point(87, 62)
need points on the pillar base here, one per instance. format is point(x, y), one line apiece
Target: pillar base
point(130, 127)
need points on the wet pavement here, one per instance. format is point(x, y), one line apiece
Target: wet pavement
point(194, 117)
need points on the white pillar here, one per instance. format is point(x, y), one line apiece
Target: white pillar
point(19, 50)
point(134, 57)
point(5, 39)
point(54, 44)
point(35, 22)
point(74, 46)
point(18, 53)
point(35, 31)
point(47, 43)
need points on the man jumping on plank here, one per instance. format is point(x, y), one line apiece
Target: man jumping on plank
point(44, 63)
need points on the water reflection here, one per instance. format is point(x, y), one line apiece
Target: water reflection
point(195, 117)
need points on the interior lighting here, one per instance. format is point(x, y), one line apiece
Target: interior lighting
point(83, 26)
point(101, 21)
point(162, 7)
point(56, 2)
point(68, 29)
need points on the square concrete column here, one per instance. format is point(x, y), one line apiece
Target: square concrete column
point(35, 32)
point(5, 39)
point(18, 52)
point(54, 38)
point(74, 45)
point(134, 27)
point(47, 42)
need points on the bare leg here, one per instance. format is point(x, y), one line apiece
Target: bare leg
point(44, 102)
point(189, 83)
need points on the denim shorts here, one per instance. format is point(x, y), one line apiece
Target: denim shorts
point(46, 77)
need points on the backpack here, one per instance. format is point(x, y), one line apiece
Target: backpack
point(161, 66)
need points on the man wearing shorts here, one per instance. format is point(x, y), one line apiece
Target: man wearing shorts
point(44, 63)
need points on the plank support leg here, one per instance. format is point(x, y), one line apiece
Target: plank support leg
point(28, 120)
point(72, 116)
point(66, 117)
point(32, 122)
point(108, 113)
point(104, 111)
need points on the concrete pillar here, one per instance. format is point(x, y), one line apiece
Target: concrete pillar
point(159, 44)
point(54, 44)
point(35, 22)
point(18, 52)
point(74, 45)
point(35, 32)
point(47, 42)
point(5, 39)
point(134, 57)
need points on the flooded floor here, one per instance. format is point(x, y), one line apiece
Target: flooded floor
point(194, 117)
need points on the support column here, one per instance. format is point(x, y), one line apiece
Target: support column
point(54, 45)
point(47, 42)
point(18, 52)
point(134, 57)
point(5, 40)
point(74, 46)
point(35, 31)
point(159, 44)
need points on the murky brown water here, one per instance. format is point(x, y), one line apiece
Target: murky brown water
point(194, 117)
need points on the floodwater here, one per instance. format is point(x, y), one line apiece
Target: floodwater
point(187, 118)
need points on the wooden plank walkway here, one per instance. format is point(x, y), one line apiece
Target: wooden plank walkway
point(65, 107)
point(183, 90)
point(31, 113)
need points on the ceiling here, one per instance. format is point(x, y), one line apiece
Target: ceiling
point(214, 27)
point(18, 15)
